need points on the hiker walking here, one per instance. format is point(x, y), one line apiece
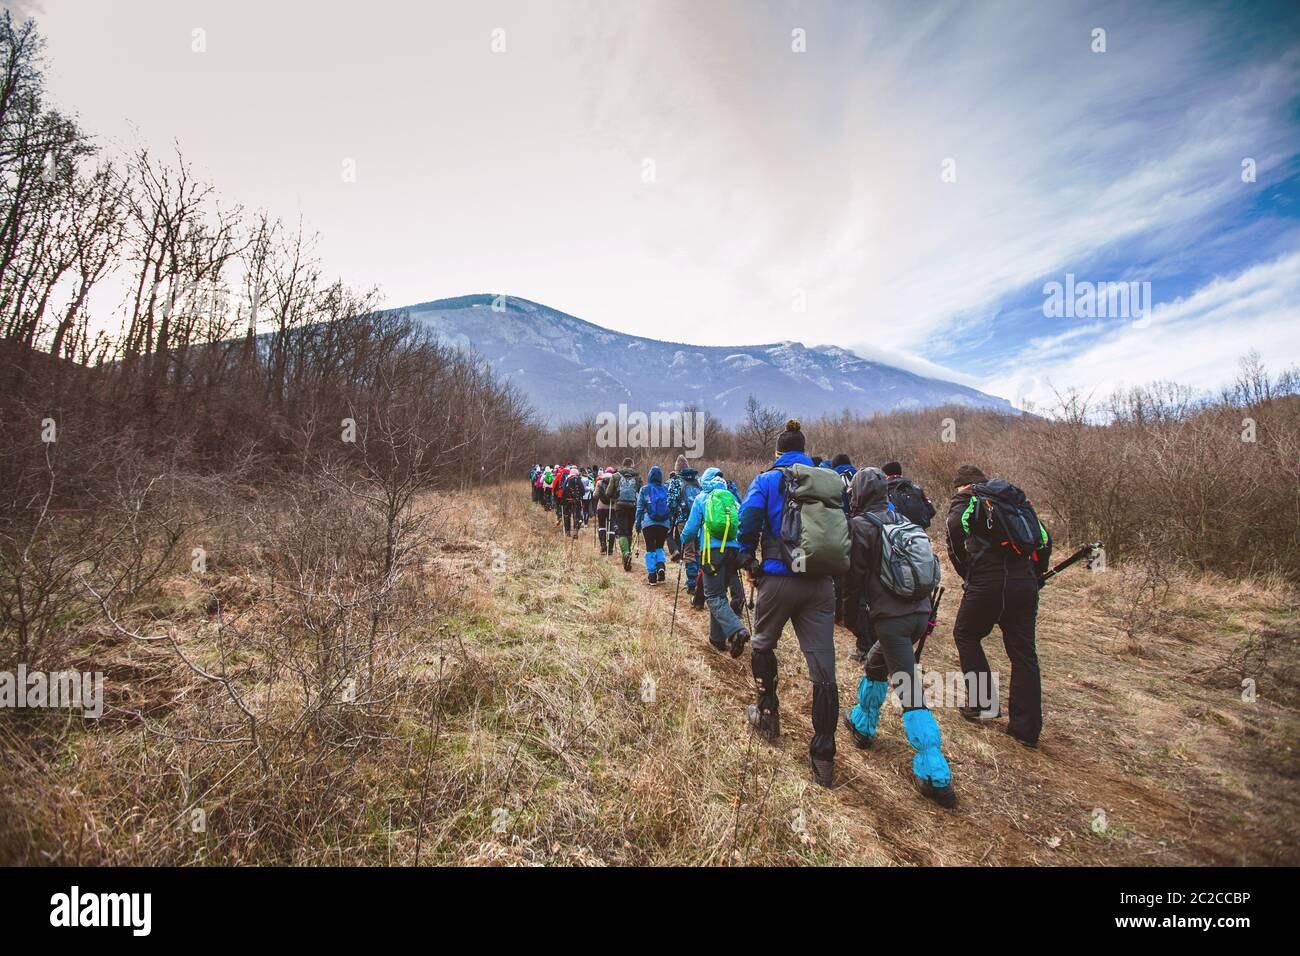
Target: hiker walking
point(651, 519)
point(588, 486)
point(572, 491)
point(603, 502)
point(711, 535)
point(999, 548)
point(557, 492)
point(548, 478)
point(624, 490)
point(890, 609)
point(793, 511)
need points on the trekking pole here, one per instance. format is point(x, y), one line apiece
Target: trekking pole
point(677, 592)
point(1086, 551)
point(936, 597)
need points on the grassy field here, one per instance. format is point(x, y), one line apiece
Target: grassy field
point(508, 723)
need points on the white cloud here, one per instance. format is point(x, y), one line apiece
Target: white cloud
point(778, 174)
point(1196, 341)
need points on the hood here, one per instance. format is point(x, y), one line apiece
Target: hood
point(792, 458)
point(712, 480)
point(656, 475)
point(867, 491)
point(689, 473)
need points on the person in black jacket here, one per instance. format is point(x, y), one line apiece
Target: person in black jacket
point(1000, 587)
point(890, 626)
point(573, 493)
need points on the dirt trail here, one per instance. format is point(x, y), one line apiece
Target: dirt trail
point(1101, 749)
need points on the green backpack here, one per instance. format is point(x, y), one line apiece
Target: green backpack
point(721, 520)
point(814, 528)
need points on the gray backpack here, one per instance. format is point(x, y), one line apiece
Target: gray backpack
point(908, 568)
point(629, 486)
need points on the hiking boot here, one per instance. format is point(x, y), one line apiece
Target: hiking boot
point(653, 578)
point(675, 559)
point(659, 574)
point(946, 797)
point(737, 642)
point(979, 714)
point(859, 656)
point(823, 770)
point(1031, 744)
point(860, 740)
point(767, 725)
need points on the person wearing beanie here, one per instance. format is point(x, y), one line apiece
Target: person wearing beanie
point(891, 625)
point(573, 490)
point(624, 493)
point(786, 594)
point(603, 502)
point(1000, 587)
point(716, 551)
point(683, 486)
point(651, 519)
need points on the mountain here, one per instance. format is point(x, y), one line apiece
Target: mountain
point(569, 368)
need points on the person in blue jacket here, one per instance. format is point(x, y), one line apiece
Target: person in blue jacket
point(720, 570)
point(652, 518)
point(807, 601)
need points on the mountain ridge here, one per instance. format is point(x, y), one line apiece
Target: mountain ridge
point(571, 368)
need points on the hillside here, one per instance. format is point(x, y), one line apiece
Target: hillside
point(570, 369)
point(507, 724)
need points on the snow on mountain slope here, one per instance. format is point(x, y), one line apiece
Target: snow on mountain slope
point(570, 369)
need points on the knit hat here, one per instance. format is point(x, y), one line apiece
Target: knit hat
point(627, 462)
point(968, 475)
point(891, 468)
point(681, 464)
point(791, 439)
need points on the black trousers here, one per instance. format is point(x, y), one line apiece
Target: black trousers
point(572, 516)
point(606, 528)
point(1011, 604)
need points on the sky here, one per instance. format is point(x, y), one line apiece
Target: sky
point(902, 179)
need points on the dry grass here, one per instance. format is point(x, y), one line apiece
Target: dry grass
point(514, 731)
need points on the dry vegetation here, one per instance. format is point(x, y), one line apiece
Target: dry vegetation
point(508, 675)
point(273, 517)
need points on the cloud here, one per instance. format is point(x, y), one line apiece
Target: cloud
point(1196, 341)
point(779, 176)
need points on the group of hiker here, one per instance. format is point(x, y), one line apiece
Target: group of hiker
point(821, 542)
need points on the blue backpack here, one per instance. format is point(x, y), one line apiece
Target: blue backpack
point(657, 502)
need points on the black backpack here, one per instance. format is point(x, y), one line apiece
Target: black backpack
point(573, 490)
point(910, 501)
point(1000, 516)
